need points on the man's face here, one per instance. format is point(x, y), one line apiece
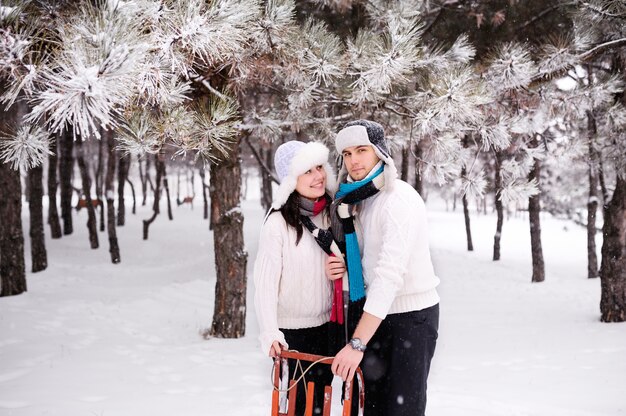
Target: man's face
point(359, 161)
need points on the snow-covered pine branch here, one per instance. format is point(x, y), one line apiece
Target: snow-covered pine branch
point(518, 191)
point(380, 61)
point(137, 135)
point(473, 185)
point(213, 131)
point(93, 75)
point(25, 149)
point(511, 67)
point(190, 33)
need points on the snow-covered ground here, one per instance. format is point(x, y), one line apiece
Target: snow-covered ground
point(90, 338)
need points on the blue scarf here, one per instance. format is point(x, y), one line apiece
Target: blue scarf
point(349, 194)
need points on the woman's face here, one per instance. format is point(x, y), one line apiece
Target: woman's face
point(312, 183)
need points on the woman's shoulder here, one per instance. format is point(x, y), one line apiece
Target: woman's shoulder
point(274, 219)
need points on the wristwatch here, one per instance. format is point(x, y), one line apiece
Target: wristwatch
point(356, 344)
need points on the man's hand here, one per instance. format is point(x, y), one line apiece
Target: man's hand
point(275, 349)
point(335, 267)
point(346, 362)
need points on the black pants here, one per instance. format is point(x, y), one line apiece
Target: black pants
point(397, 361)
point(312, 341)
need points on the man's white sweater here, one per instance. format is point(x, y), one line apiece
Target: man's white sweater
point(393, 239)
point(291, 288)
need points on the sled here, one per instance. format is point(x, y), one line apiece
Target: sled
point(281, 365)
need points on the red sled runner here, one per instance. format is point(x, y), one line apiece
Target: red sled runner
point(281, 365)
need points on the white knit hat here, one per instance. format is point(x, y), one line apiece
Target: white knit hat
point(294, 158)
point(367, 133)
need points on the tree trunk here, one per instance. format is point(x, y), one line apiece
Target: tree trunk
point(114, 247)
point(204, 196)
point(66, 171)
point(406, 157)
point(160, 165)
point(499, 208)
point(419, 179)
point(132, 190)
point(92, 225)
point(122, 176)
point(266, 185)
point(592, 203)
point(466, 214)
point(12, 266)
point(170, 216)
point(144, 181)
point(613, 266)
point(99, 181)
point(53, 213)
point(39, 256)
point(229, 317)
point(534, 209)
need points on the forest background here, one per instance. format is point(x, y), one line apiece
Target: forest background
point(517, 105)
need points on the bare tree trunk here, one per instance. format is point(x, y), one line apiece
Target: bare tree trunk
point(66, 170)
point(266, 184)
point(132, 190)
point(39, 256)
point(466, 214)
point(204, 195)
point(419, 179)
point(144, 181)
point(264, 158)
point(92, 225)
point(99, 181)
point(592, 203)
point(160, 165)
point(53, 212)
point(406, 157)
point(499, 208)
point(613, 268)
point(122, 176)
point(12, 266)
point(170, 216)
point(112, 156)
point(229, 317)
point(468, 229)
point(534, 209)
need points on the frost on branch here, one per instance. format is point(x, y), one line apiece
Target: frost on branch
point(92, 76)
point(473, 185)
point(511, 67)
point(213, 34)
point(320, 54)
point(137, 135)
point(26, 149)
point(518, 191)
point(380, 61)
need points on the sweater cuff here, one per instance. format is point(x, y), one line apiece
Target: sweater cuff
point(267, 338)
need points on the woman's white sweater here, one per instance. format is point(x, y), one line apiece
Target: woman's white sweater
point(291, 288)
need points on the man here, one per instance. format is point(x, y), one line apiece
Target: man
point(395, 338)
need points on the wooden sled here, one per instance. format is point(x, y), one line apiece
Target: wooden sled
point(281, 364)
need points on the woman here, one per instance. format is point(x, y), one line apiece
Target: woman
point(293, 297)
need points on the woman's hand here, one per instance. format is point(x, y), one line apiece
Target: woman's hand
point(335, 268)
point(275, 349)
point(346, 362)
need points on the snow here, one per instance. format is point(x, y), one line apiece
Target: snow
point(93, 338)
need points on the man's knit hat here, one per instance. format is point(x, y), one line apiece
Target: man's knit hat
point(294, 158)
point(367, 133)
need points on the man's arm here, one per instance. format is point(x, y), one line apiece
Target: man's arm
point(348, 359)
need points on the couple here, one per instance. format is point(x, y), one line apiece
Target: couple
point(380, 224)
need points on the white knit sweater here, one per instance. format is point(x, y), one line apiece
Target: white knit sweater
point(291, 288)
point(393, 237)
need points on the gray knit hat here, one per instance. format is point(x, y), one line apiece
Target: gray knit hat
point(367, 133)
point(294, 158)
